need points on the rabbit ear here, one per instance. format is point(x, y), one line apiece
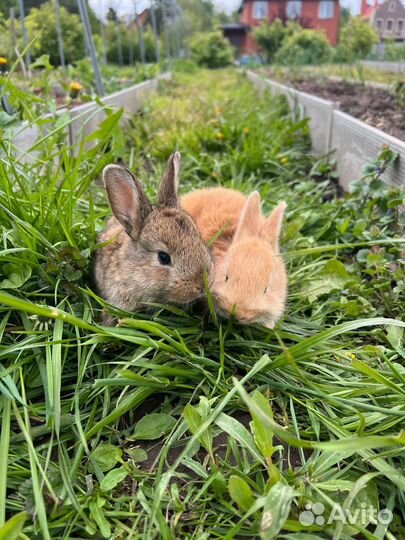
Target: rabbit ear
point(127, 199)
point(272, 226)
point(169, 184)
point(250, 218)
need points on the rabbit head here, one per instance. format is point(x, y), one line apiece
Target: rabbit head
point(250, 279)
point(156, 253)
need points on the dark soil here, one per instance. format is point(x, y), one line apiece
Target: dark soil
point(374, 106)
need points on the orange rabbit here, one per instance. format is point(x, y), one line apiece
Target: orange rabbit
point(250, 278)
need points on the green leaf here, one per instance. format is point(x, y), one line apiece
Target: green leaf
point(194, 421)
point(13, 527)
point(276, 510)
point(334, 276)
point(153, 426)
point(42, 62)
point(113, 478)
point(97, 514)
point(263, 435)
point(237, 431)
point(240, 492)
point(106, 456)
point(395, 337)
point(138, 455)
point(15, 276)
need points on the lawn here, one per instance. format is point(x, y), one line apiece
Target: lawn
point(177, 424)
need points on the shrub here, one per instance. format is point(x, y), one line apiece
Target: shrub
point(41, 24)
point(304, 47)
point(394, 52)
point(357, 40)
point(269, 37)
point(211, 50)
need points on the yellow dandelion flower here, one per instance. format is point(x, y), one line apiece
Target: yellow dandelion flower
point(246, 130)
point(219, 136)
point(284, 160)
point(218, 111)
point(3, 64)
point(74, 88)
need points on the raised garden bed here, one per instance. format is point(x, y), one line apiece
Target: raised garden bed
point(84, 119)
point(350, 140)
point(381, 108)
point(376, 107)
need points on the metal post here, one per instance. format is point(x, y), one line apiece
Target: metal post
point(104, 51)
point(155, 32)
point(60, 37)
point(24, 32)
point(177, 30)
point(119, 43)
point(90, 45)
point(140, 36)
point(167, 38)
point(102, 34)
point(131, 47)
point(12, 31)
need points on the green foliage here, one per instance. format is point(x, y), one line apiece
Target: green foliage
point(211, 50)
point(198, 16)
point(270, 37)
point(129, 44)
point(239, 463)
point(41, 25)
point(393, 51)
point(304, 47)
point(357, 39)
point(345, 16)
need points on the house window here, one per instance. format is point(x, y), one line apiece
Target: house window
point(370, 3)
point(389, 25)
point(400, 26)
point(326, 8)
point(294, 9)
point(260, 9)
point(391, 7)
point(379, 24)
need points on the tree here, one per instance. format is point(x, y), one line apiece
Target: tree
point(41, 24)
point(270, 37)
point(357, 40)
point(304, 47)
point(129, 43)
point(345, 16)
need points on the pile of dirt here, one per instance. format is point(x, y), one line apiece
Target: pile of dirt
point(375, 106)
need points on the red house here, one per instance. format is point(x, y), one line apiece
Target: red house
point(315, 14)
point(368, 8)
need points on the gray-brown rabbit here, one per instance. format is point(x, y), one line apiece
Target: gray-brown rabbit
point(155, 253)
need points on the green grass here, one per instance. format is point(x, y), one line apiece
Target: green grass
point(351, 73)
point(174, 425)
point(35, 95)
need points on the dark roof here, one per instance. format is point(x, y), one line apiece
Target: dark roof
point(242, 4)
point(234, 26)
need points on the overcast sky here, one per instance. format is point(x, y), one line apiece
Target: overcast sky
point(125, 8)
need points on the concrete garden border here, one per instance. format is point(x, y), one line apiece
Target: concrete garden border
point(83, 120)
point(388, 67)
point(353, 142)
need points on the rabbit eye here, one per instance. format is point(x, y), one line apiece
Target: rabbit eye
point(164, 258)
point(265, 290)
point(226, 278)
